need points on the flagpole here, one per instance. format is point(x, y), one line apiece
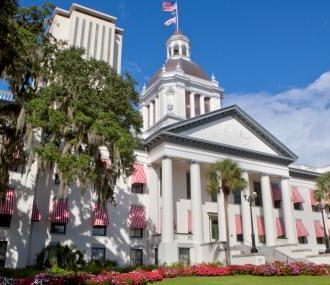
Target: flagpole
point(177, 15)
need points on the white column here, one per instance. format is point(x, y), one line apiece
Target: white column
point(192, 104)
point(153, 191)
point(167, 189)
point(196, 202)
point(201, 104)
point(145, 116)
point(196, 207)
point(157, 109)
point(180, 50)
point(245, 209)
point(221, 217)
point(267, 203)
point(151, 113)
point(289, 221)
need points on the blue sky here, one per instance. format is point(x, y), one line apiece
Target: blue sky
point(272, 58)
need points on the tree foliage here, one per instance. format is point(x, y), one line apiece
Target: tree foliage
point(322, 192)
point(24, 48)
point(226, 176)
point(85, 105)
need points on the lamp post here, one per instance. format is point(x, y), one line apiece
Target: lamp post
point(322, 207)
point(250, 198)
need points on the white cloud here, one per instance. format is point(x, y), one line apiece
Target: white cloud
point(300, 118)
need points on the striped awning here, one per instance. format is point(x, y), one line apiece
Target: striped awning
point(260, 226)
point(276, 192)
point(319, 230)
point(7, 202)
point(60, 212)
point(36, 217)
point(280, 227)
point(137, 217)
point(312, 197)
point(296, 196)
point(189, 222)
point(100, 216)
point(238, 222)
point(139, 175)
point(301, 229)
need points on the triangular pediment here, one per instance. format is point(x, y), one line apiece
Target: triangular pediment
point(231, 132)
point(227, 130)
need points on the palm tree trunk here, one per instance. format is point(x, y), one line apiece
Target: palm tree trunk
point(228, 257)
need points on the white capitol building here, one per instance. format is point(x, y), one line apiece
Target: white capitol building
point(163, 212)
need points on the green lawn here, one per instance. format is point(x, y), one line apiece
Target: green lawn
point(248, 280)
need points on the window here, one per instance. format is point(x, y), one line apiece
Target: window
point(176, 50)
point(136, 256)
point(319, 240)
point(99, 231)
point(57, 179)
point(214, 228)
point(257, 189)
point(302, 240)
point(207, 104)
point(188, 105)
point(298, 206)
point(237, 197)
point(137, 188)
point(3, 251)
point(98, 253)
point(239, 238)
point(136, 233)
point(277, 204)
point(262, 239)
point(156, 256)
point(197, 105)
point(5, 220)
point(184, 255)
point(214, 197)
point(57, 228)
point(314, 208)
point(188, 185)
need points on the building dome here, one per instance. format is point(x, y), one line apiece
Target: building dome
point(178, 58)
point(187, 66)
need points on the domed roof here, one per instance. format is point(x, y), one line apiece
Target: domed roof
point(188, 67)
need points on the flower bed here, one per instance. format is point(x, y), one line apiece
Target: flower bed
point(143, 277)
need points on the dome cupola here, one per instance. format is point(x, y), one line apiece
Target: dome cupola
point(178, 46)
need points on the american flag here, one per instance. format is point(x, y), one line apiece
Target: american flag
point(169, 6)
point(170, 21)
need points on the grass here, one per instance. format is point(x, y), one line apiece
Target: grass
point(248, 280)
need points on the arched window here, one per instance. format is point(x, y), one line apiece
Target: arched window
point(184, 50)
point(176, 50)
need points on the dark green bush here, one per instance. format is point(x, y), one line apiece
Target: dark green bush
point(64, 257)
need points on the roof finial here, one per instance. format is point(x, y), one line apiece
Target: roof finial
point(144, 88)
point(163, 68)
point(213, 77)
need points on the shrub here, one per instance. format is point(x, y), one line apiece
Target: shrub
point(60, 256)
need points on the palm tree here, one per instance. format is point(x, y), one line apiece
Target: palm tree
point(225, 176)
point(322, 195)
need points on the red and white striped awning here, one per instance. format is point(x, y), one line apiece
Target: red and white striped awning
point(301, 229)
point(137, 217)
point(277, 193)
point(312, 197)
point(36, 217)
point(100, 216)
point(319, 230)
point(238, 222)
point(280, 227)
point(189, 222)
point(260, 226)
point(7, 202)
point(138, 174)
point(296, 196)
point(60, 212)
